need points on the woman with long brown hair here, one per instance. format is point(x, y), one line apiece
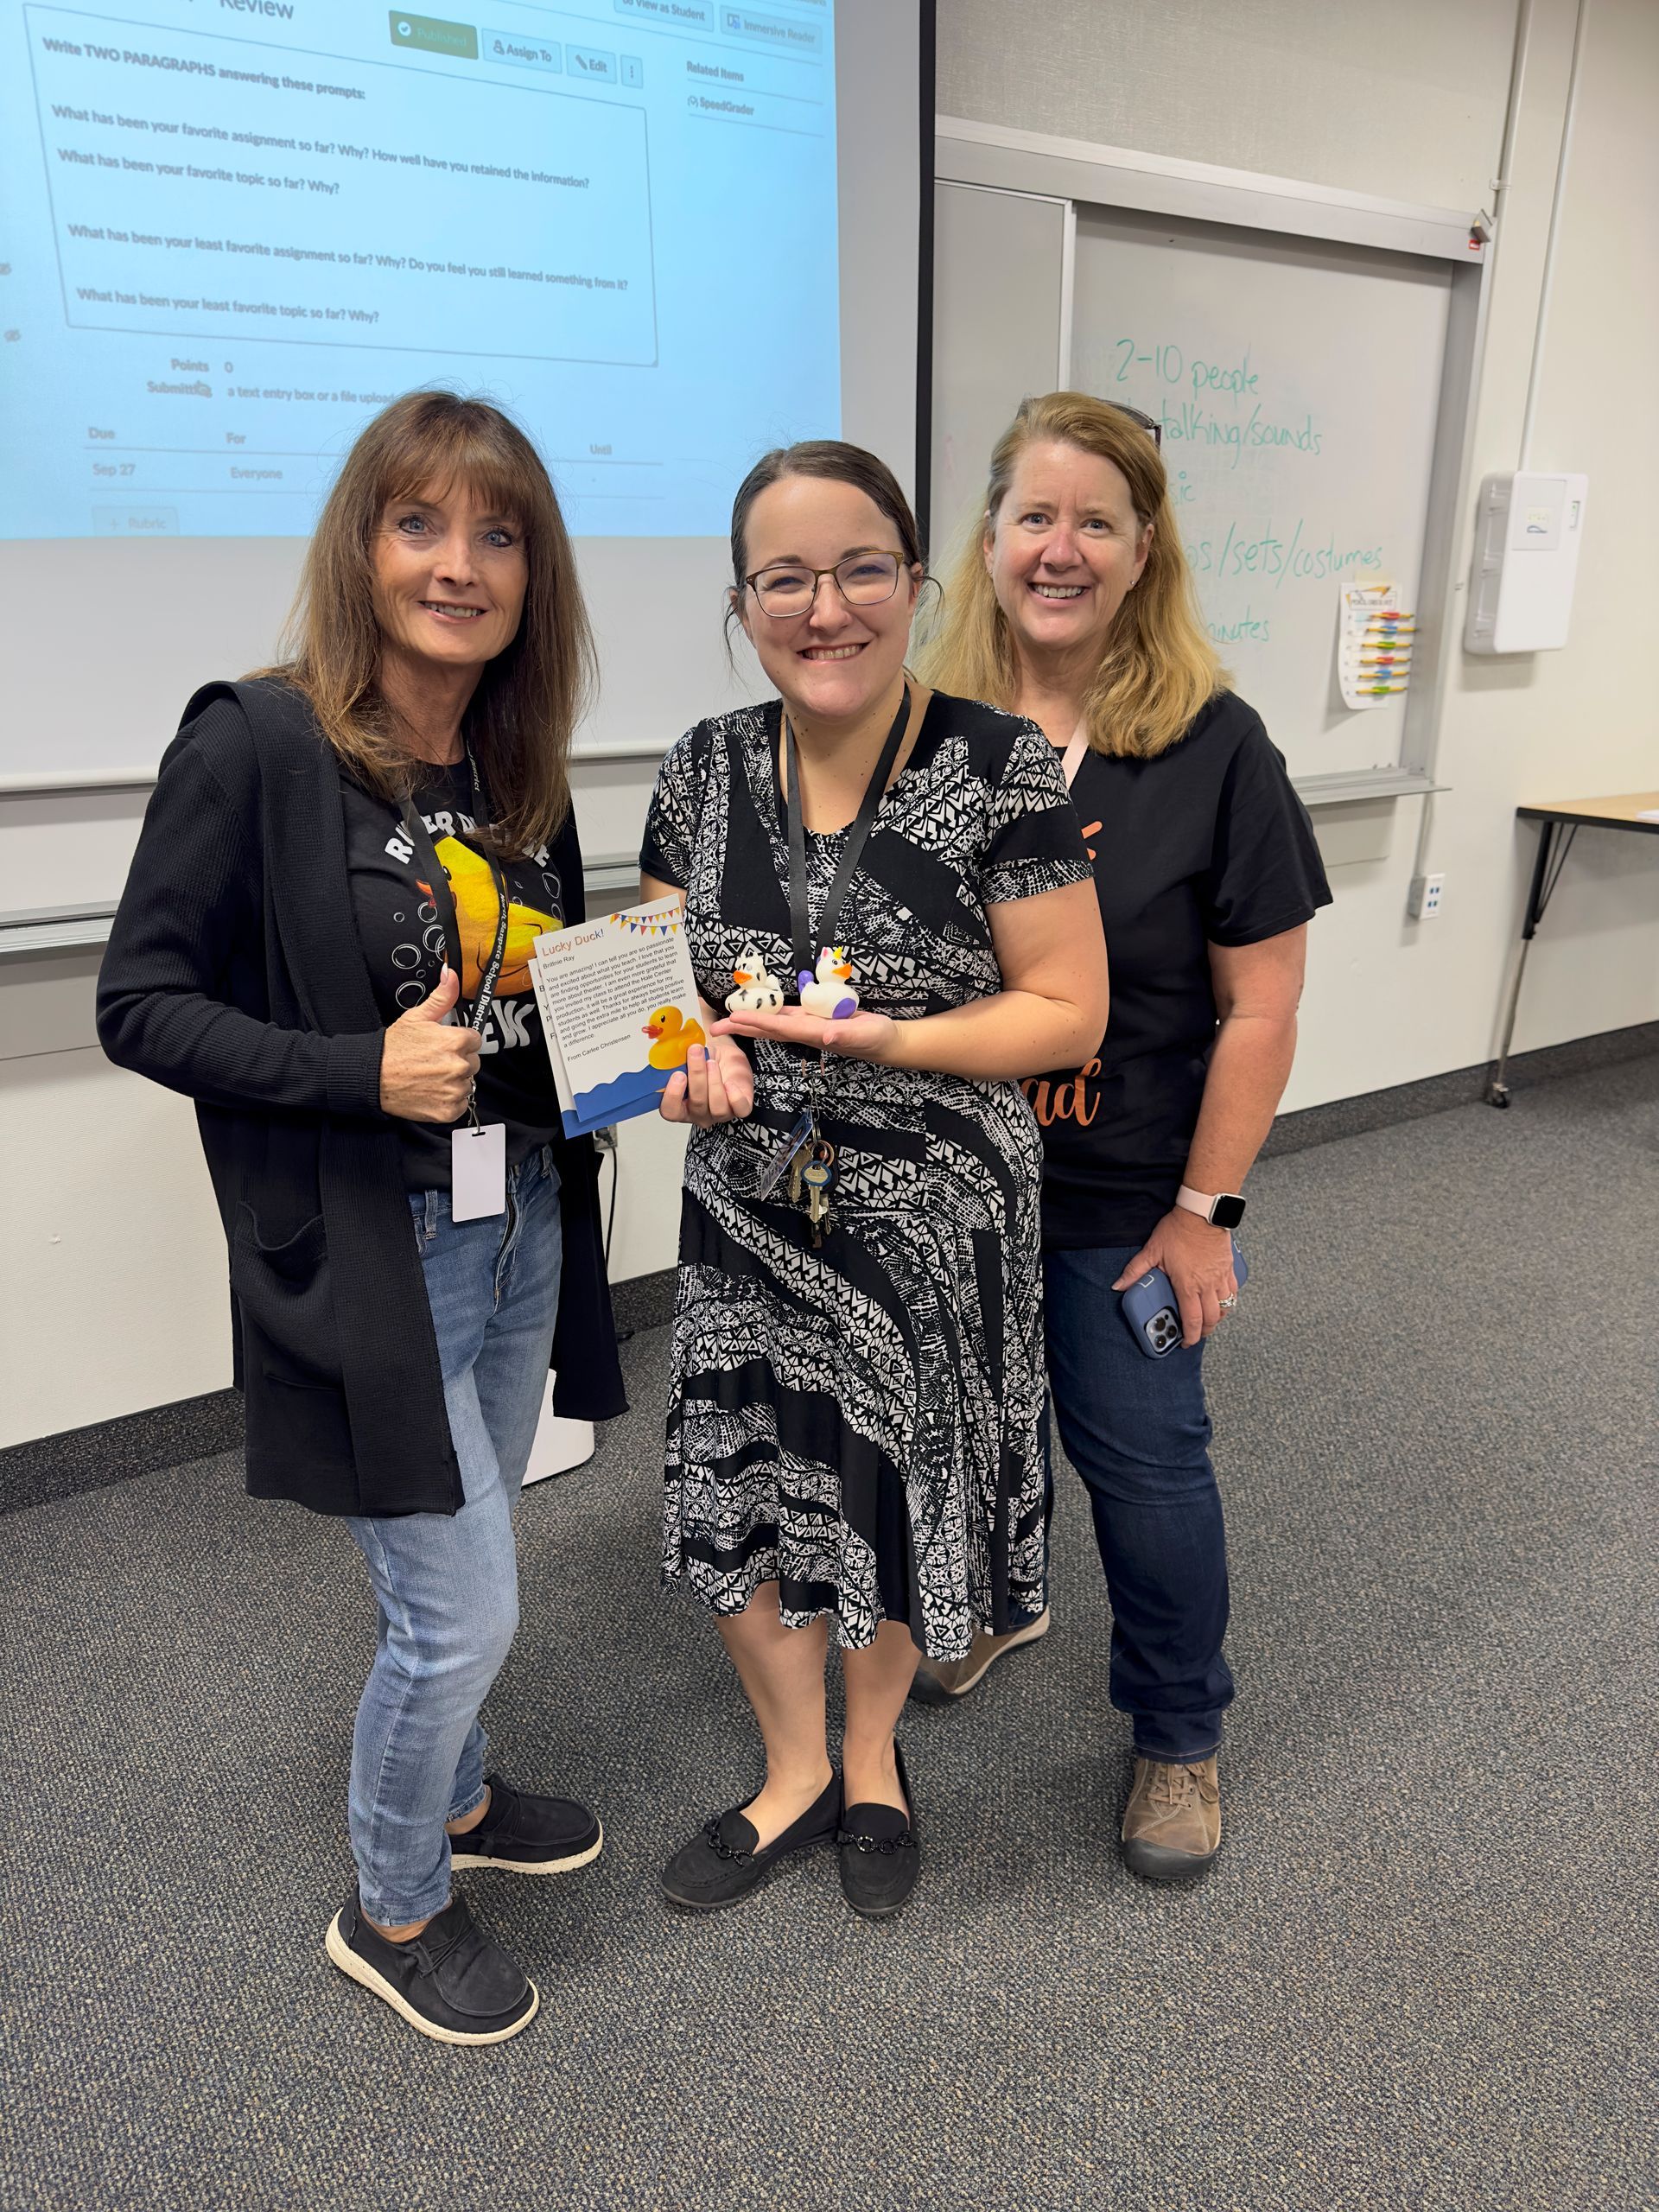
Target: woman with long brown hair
point(324, 942)
point(1071, 603)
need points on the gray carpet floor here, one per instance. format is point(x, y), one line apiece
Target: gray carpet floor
point(1422, 1976)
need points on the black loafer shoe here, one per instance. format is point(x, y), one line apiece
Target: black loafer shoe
point(450, 1982)
point(525, 1835)
point(721, 1864)
point(880, 1854)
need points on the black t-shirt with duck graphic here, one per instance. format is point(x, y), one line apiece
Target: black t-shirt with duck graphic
point(402, 937)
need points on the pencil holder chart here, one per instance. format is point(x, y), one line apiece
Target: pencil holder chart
point(1373, 643)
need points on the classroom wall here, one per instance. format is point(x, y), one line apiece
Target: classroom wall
point(113, 1296)
point(1405, 102)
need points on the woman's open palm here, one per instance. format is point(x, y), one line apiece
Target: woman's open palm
point(859, 1036)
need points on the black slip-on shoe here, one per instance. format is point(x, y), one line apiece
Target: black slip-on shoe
point(720, 1864)
point(880, 1852)
point(451, 1981)
point(523, 1833)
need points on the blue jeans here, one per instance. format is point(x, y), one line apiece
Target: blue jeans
point(447, 1585)
point(1137, 1430)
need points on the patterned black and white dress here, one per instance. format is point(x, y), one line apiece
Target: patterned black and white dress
point(860, 1423)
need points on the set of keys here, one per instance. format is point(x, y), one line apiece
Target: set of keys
point(807, 1159)
point(811, 1175)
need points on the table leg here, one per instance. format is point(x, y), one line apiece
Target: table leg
point(1498, 1091)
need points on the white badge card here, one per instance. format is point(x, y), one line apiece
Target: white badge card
point(478, 1171)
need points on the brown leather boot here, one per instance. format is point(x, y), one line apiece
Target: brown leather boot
point(941, 1682)
point(1172, 1824)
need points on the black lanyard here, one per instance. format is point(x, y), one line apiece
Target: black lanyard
point(444, 898)
point(807, 948)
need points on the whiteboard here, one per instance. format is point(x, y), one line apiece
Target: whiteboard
point(1298, 384)
point(1022, 237)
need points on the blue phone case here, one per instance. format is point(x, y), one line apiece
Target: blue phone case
point(1149, 1308)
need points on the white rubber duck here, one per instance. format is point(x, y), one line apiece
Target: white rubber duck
point(757, 991)
point(829, 993)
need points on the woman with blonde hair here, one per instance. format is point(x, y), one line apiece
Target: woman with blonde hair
point(323, 942)
point(1072, 604)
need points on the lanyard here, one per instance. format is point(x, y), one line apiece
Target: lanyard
point(807, 948)
point(443, 898)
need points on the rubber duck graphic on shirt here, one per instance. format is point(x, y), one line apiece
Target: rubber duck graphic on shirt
point(478, 912)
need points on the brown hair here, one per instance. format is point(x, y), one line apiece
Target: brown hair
point(521, 719)
point(1157, 665)
point(835, 462)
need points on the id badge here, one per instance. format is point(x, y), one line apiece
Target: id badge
point(478, 1171)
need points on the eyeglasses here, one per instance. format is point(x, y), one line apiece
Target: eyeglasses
point(862, 579)
point(1148, 422)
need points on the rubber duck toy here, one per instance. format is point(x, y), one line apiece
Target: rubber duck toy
point(757, 991)
point(672, 1037)
point(829, 993)
point(478, 910)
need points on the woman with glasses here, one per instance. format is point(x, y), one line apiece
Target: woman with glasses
point(1072, 605)
point(857, 1360)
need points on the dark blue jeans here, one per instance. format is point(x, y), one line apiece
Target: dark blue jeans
point(1137, 1430)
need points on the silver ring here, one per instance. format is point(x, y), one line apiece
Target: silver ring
point(1228, 1304)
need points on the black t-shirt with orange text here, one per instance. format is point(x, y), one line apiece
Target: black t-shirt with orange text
point(1206, 844)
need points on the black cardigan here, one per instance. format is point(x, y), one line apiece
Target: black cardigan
point(234, 974)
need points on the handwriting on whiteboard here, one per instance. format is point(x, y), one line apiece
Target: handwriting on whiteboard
point(1189, 421)
point(1252, 551)
point(1213, 411)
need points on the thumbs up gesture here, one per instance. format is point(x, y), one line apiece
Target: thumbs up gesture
point(426, 1067)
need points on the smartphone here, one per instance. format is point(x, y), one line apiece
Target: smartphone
point(1154, 1319)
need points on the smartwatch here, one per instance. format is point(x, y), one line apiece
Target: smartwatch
point(1221, 1209)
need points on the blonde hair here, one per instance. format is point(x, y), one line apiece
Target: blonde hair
point(530, 698)
point(1157, 664)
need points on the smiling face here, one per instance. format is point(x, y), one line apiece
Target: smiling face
point(1065, 551)
point(833, 662)
point(449, 580)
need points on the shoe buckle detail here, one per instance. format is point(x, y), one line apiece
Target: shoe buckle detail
point(886, 1845)
point(719, 1845)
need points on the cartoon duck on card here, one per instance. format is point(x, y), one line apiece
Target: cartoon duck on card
point(478, 912)
point(828, 992)
point(757, 991)
point(671, 1037)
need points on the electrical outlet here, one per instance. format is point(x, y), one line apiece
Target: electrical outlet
point(1427, 895)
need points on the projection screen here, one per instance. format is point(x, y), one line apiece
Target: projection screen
point(665, 233)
